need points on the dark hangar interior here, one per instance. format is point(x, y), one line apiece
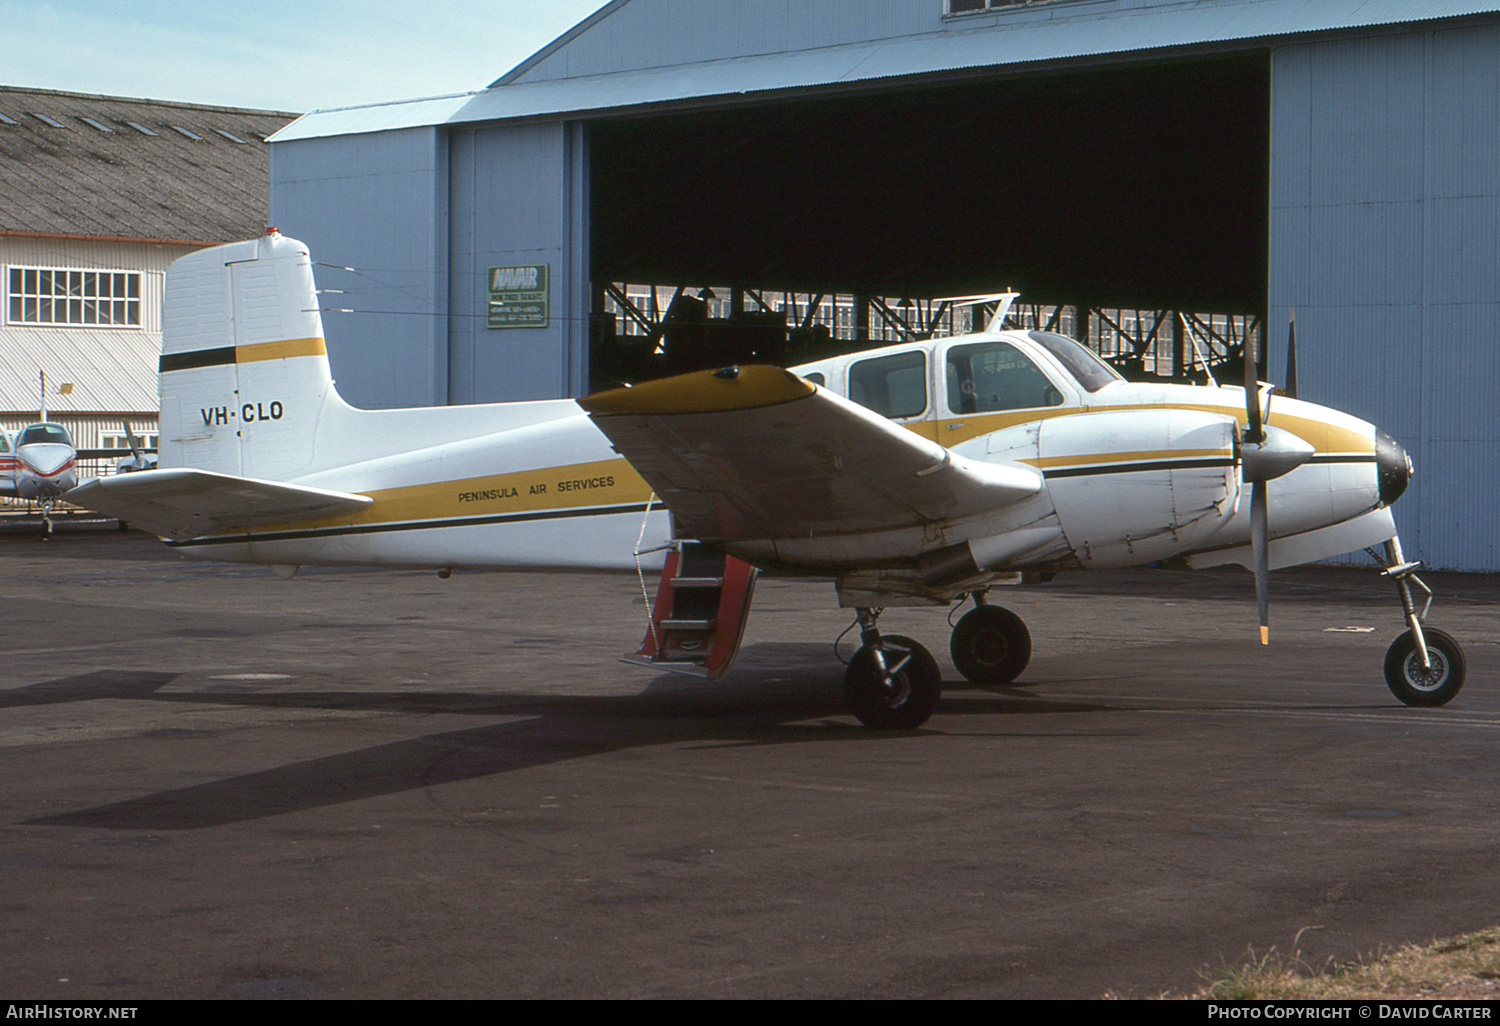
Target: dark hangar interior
point(1142, 186)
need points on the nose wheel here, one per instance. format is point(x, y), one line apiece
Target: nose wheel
point(892, 683)
point(1433, 684)
point(1424, 666)
point(990, 645)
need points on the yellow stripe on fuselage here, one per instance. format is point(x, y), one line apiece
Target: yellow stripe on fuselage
point(1326, 438)
point(1105, 458)
point(579, 486)
point(604, 483)
point(282, 350)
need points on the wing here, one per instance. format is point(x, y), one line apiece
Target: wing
point(757, 452)
point(185, 504)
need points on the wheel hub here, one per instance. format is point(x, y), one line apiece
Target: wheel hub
point(1422, 678)
point(990, 648)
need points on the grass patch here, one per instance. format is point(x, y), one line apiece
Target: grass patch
point(1466, 967)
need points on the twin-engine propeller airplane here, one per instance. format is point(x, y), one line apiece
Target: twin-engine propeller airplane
point(39, 464)
point(915, 474)
point(46, 462)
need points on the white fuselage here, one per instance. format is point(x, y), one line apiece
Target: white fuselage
point(1133, 473)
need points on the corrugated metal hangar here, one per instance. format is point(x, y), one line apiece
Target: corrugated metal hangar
point(1233, 158)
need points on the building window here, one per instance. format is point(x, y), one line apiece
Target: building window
point(37, 295)
point(970, 6)
point(121, 442)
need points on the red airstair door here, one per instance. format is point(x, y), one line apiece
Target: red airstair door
point(702, 605)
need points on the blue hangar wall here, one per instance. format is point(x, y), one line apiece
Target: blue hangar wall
point(1384, 218)
point(1385, 239)
point(411, 220)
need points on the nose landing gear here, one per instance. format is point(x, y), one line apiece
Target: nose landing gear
point(47, 505)
point(1424, 666)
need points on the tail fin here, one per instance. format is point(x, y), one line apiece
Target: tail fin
point(244, 371)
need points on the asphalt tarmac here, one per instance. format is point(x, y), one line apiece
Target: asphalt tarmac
point(378, 784)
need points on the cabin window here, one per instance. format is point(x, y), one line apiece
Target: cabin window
point(36, 295)
point(815, 378)
point(892, 386)
point(989, 376)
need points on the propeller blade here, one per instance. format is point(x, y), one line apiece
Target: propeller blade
point(1252, 395)
point(1291, 357)
point(1260, 542)
point(135, 445)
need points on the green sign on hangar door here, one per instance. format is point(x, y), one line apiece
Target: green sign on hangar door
point(518, 296)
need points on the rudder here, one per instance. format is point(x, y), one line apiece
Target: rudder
point(244, 372)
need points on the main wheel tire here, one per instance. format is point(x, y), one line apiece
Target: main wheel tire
point(910, 696)
point(990, 645)
point(1414, 685)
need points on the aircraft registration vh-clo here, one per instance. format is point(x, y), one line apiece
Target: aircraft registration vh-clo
point(920, 473)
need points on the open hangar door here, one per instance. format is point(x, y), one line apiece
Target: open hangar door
point(1140, 186)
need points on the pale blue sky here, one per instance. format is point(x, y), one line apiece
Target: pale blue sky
point(292, 55)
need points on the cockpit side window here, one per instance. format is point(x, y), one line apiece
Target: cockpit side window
point(1090, 371)
point(892, 386)
point(989, 376)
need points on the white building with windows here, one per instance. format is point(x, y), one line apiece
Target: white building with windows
point(98, 195)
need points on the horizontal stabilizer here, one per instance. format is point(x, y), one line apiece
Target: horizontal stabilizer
point(184, 504)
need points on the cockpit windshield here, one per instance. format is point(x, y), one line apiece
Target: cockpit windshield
point(1090, 371)
point(54, 434)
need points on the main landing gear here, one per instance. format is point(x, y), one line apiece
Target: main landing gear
point(893, 683)
point(990, 645)
point(1424, 666)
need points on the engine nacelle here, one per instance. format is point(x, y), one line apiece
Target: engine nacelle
point(1132, 486)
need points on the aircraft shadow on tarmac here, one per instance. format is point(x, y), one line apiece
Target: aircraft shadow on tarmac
point(782, 706)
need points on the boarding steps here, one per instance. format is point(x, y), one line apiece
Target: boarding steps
point(699, 615)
